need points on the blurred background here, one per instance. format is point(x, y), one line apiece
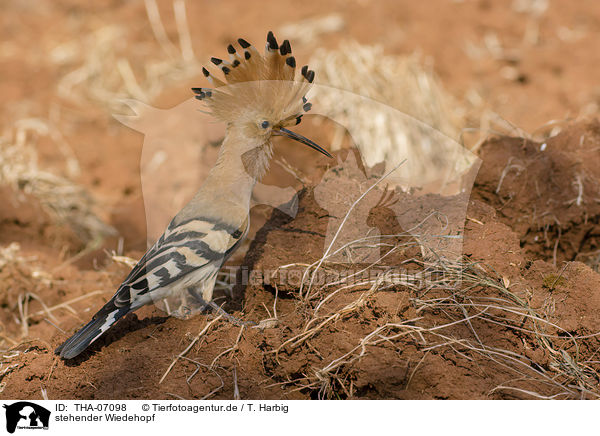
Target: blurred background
point(464, 67)
point(72, 211)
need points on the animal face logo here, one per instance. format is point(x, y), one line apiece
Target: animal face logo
point(418, 185)
point(26, 415)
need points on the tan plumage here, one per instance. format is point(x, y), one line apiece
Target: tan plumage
point(268, 84)
point(261, 95)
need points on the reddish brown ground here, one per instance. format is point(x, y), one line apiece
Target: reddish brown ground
point(534, 229)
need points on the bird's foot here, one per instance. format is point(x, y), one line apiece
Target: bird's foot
point(218, 309)
point(232, 319)
point(183, 312)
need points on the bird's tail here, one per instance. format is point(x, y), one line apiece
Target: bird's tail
point(101, 322)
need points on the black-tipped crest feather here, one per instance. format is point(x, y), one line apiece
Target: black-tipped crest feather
point(272, 41)
point(267, 83)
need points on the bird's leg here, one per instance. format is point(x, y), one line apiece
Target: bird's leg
point(219, 310)
point(232, 319)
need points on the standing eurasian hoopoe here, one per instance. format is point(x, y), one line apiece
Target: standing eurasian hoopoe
point(262, 96)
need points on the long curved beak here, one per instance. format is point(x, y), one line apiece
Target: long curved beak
point(295, 136)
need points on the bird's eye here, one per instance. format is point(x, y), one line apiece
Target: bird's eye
point(264, 124)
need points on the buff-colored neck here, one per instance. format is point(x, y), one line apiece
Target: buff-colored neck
point(239, 166)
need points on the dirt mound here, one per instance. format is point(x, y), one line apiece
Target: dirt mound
point(548, 193)
point(515, 318)
point(24, 220)
point(499, 323)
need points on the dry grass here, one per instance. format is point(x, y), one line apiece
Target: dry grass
point(394, 109)
point(99, 72)
point(310, 30)
point(462, 308)
point(189, 347)
point(472, 297)
point(64, 200)
point(480, 308)
point(23, 278)
point(107, 66)
point(474, 300)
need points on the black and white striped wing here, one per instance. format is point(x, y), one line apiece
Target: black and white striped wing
point(178, 257)
point(185, 254)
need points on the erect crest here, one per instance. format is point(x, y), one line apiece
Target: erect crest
point(269, 84)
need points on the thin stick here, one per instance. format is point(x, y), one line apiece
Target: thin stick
point(131, 84)
point(415, 370)
point(188, 348)
point(158, 28)
point(344, 222)
point(67, 304)
point(234, 347)
point(52, 368)
point(236, 389)
point(185, 40)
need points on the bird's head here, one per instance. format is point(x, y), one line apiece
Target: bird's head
point(262, 95)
